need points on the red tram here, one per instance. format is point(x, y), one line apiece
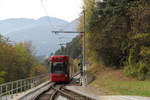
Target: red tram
point(61, 69)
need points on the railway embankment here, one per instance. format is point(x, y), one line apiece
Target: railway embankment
point(108, 81)
point(111, 84)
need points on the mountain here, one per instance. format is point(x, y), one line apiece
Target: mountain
point(72, 25)
point(10, 25)
point(39, 32)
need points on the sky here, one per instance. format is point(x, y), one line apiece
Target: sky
point(63, 9)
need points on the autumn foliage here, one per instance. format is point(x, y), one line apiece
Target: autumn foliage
point(118, 34)
point(17, 61)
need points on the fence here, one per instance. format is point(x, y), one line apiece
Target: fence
point(8, 90)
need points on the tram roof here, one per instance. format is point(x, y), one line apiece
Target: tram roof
point(61, 56)
point(56, 58)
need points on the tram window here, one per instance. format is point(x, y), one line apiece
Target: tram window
point(59, 67)
point(56, 59)
point(51, 69)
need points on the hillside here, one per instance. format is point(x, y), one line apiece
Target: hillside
point(72, 25)
point(10, 25)
point(118, 45)
point(109, 81)
point(38, 32)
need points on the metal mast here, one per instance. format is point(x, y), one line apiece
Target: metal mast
point(83, 73)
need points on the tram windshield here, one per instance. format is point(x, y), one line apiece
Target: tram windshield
point(59, 67)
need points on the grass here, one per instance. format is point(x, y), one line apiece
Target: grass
point(113, 81)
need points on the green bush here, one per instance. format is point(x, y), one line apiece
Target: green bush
point(2, 74)
point(137, 70)
point(75, 63)
point(142, 70)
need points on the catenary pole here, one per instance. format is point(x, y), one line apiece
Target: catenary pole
point(83, 73)
point(84, 66)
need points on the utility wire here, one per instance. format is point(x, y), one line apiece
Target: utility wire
point(46, 13)
point(77, 5)
point(44, 8)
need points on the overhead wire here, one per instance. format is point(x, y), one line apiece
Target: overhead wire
point(79, 6)
point(46, 13)
point(45, 10)
point(49, 21)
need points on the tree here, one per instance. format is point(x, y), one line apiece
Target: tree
point(73, 49)
point(37, 70)
point(16, 60)
point(114, 29)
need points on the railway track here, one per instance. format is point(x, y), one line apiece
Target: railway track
point(49, 94)
point(72, 95)
point(58, 91)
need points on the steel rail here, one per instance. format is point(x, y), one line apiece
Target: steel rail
point(56, 90)
point(60, 92)
point(46, 94)
point(71, 95)
point(53, 95)
point(77, 73)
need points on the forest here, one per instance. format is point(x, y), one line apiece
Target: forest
point(17, 61)
point(118, 35)
point(73, 48)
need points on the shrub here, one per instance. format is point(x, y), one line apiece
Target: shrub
point(137, 70)
point(76, 62)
